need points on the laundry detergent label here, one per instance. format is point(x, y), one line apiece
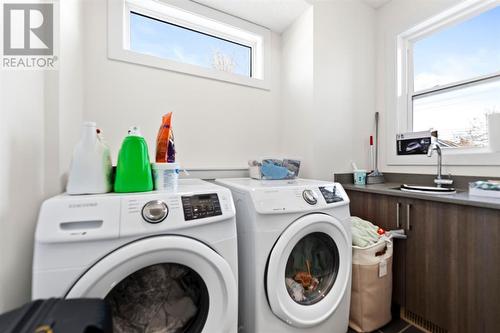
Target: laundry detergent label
point(382, 268)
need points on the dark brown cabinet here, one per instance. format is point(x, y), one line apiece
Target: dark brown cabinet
point(380, 209)
point(430, 262)
point(447, 272)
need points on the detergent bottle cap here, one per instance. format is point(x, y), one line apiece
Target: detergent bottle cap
point(134, 131)
point(89, 124)
point(89, 133)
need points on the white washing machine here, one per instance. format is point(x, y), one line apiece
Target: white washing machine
point(295, 256)
point(165, 261)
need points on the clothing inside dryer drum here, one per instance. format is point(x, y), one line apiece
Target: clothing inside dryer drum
point(163, 298)
point(312, 268)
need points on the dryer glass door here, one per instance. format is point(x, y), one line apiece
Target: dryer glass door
point(308, 270)
point(164, 284)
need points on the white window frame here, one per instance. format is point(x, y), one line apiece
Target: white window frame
point(196, 17)
point(405, 92)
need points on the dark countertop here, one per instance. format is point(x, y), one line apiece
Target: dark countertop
point(462, 197)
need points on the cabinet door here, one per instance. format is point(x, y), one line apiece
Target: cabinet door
point(477, 272)
point(378, 209)
point(432, 262)
point(452, 266)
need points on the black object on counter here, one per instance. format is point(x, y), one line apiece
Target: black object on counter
point(56, 315)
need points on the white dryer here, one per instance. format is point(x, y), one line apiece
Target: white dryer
point(295, 256)
point(165, 261)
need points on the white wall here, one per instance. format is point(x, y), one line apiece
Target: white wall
point(298, 90)
point(344, 76)
point(216, 124)
point(71, 83)
point(392, 19)
point(21, 175)
point(328, 87)
point(40, 116)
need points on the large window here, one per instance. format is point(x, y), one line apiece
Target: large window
point(186, 37)
point(452, 74)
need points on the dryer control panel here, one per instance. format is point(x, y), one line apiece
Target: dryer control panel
point(300, 196)
point(201, 206)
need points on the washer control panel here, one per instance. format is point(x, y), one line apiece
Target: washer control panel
point(330, 194)
point(201, 206)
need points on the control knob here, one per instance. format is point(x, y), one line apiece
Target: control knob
point(310, 197)
point(155, 211)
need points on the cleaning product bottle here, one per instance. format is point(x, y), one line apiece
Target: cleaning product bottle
point(165, 148)
point(133, 171)
point(91, 168)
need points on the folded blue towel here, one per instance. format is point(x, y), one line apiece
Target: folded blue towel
point(273, 171)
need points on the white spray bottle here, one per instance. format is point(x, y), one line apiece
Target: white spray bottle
point(91, 167)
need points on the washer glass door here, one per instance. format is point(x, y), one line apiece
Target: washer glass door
point(168, 284)
point(160, 298)
point(311, 269)
point(308, 270)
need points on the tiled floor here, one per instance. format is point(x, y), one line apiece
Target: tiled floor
point(395, 326)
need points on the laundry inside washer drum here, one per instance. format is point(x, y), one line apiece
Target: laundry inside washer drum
point(163, 298)
point(311, 269)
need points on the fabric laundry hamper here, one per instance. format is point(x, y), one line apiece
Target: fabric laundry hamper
point(371, 286)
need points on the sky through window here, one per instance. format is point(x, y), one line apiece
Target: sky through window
point(169, 41)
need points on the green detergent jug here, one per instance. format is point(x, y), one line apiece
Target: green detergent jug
point(133, 171)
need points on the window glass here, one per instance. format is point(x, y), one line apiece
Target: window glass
point(173, 42)
point(459, 115)
point(463, 51)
